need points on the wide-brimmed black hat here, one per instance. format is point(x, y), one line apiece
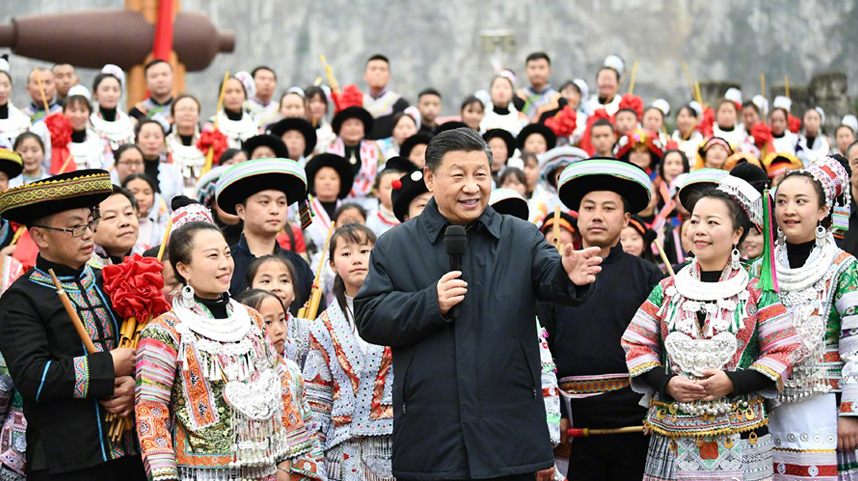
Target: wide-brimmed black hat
point(248, 178)
point(301, 125)
point(359, 113)
point(62, 192)
point(530, 129)
point(398, 163)
point(11, 163)
point(452, 124)
point(336, 162)
point(406, 189)
point(413, 141)
point(504, 135)
point(509, 202)
point(265, 140)
point(624, 178)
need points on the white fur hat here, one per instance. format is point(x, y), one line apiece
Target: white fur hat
point(782, 102)
point(615, 62)
point(247, 80)
point(116, 72)
point(733, 94)
point(662, 105)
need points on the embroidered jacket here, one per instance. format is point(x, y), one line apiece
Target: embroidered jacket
point(263, 113)
point(13, 436)
point(60, 383)
point(184, 419)
point(150, 109)
point(759, 336)
point(837, 300)
point(370, 156)
point(349, 391)
point(538, 105)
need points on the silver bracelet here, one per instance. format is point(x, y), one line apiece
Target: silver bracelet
point(281, 468)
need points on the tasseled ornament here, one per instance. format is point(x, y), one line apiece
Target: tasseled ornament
point(768, 273)
point(840, 217)
point(306, 213)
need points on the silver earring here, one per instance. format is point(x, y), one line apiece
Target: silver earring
point(820, 235)
point(735, 259)
point(781, 238)
point(187, 296)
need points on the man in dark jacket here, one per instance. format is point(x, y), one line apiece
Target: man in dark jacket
point(585, 341)
point(67, 393)
point(466, 395)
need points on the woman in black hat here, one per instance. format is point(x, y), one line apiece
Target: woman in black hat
point(536, 139)
point(414, 149)
point(409, 195)
point(299, 135)
point(329, 181)
point(351, 123)
point(503, 147)
point(264, 146)
point(11, 166)
point(384, 219)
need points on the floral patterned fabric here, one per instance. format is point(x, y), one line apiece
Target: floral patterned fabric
point(184, 420)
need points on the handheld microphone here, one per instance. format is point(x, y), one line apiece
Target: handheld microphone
point(456, 243)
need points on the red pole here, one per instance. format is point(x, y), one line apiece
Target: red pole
point(163, 43)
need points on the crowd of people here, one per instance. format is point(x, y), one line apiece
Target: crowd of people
point(632, 303)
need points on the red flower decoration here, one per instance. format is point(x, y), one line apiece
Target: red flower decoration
point(671, 145)
point(762, 135)
point(135, 287)
point(214, 139)
point(586, 144)
point(794, 124)
point(396, 184)
point(563, 123)
point(60, 129)
point(706, 123)
point(351, 96)
point(629, 101)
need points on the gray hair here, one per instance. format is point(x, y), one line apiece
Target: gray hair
point(463, 139)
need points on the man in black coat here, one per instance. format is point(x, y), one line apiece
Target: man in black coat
point(467, 397)
point(585, 341)
point(67, 393)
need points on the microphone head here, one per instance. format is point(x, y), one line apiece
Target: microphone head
point(455, 240)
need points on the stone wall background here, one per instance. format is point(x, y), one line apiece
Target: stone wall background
point(437, 43)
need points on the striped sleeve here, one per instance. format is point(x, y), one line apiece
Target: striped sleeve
point(156, 373)
point(81, 377)
point(642, 339)
point(777, 340)
point(550, 393)
point(298, 437)
point(846, 308)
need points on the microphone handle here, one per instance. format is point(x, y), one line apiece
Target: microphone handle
point(456, 265)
